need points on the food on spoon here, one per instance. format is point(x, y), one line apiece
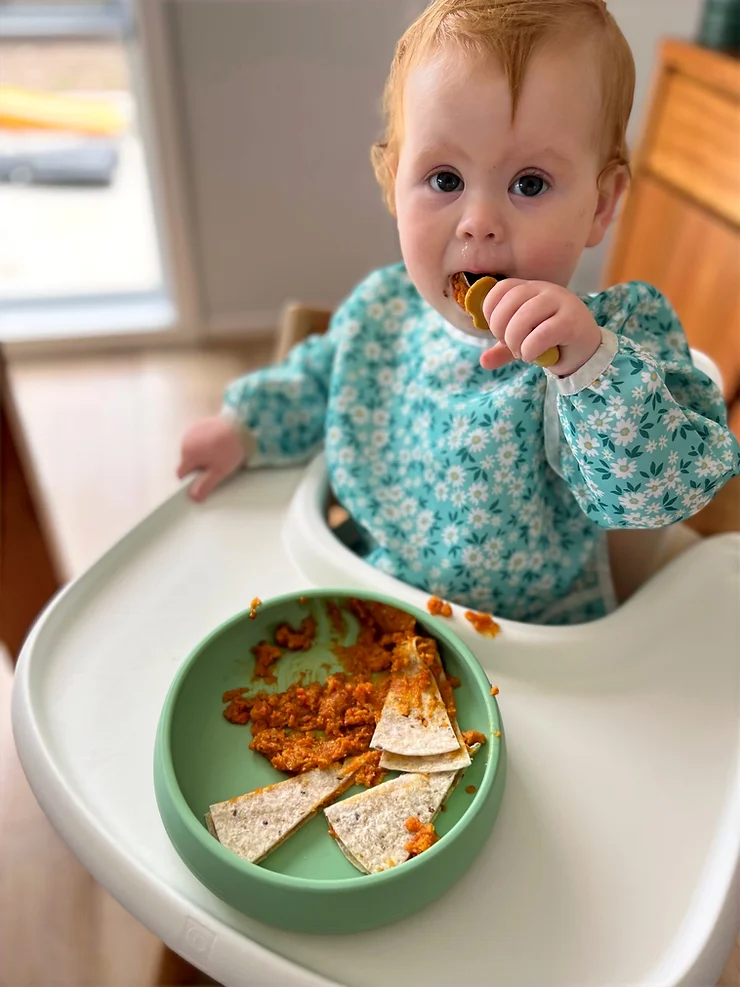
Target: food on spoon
point(474, 298)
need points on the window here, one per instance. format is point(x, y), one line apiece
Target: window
point(79, 251)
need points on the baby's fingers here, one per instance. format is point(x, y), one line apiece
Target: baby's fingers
point(525, 321)
point(187, 465)
point(191, 457)
point(497, 356)
point(497, 294)
point(205, 484)
point(508, 298)
point(547, 334)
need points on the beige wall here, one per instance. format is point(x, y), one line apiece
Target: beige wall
point(279, 102)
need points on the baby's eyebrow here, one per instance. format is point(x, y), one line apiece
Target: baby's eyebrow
point(523, 155)
point(546, 152)
point(530, 154)
point(441, 149)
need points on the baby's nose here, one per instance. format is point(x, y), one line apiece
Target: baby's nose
point(481, 220)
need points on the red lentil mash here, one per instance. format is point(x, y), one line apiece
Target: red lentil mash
point(424, 836)
point(313, 725)
point(300, 640)
point(473, 737)
point(266, 655)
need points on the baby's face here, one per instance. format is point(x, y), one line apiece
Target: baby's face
point(475, 192)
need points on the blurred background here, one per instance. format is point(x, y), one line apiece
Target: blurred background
point(172, 173)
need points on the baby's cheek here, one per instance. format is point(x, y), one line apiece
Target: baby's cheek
point(553, 258)
point(418, 249)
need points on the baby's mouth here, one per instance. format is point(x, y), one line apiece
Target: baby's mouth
point(469, 297)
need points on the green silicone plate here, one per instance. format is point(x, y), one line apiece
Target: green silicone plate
point(307, 884)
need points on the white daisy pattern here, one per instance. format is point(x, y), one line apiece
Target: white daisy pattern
point(443, 466)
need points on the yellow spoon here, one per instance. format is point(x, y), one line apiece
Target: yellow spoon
point(472, 302)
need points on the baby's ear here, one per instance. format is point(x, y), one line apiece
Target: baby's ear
point(385, 166)
point(612, 183)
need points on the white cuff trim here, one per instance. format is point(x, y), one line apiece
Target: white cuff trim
point(591, 369)
point(245, 434)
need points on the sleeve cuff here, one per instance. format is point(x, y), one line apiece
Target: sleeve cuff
point(246, 435)
point(593, 368)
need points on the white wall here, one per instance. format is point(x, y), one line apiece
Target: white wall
point(279, 102)
point(644, 23)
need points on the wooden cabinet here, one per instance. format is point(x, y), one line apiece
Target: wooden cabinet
point(680, 227)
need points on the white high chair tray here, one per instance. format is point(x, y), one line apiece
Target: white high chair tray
point(614, 857)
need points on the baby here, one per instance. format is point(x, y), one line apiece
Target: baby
point(475, 474)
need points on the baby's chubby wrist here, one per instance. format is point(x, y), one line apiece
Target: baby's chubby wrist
point(592, 369)
point(586, 341)
point(244, 434)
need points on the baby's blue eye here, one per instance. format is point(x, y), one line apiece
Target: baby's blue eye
point(530, 186)
point(446, 181)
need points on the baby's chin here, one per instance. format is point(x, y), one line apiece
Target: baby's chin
point(439, 297)
point(452, 313)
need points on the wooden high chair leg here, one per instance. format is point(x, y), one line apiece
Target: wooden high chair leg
point(29, 575)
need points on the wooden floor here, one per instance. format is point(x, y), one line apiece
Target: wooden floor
point(105, 434)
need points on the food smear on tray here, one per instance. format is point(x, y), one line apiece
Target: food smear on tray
point(483, 623)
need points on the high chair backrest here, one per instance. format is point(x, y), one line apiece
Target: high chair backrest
point(635, 555)
point(29, 570)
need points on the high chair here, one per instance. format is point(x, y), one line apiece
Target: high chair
point(615, 855)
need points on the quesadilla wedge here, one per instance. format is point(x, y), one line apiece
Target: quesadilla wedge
point(370, 828)
point(414, 720)
point(255, 824)
point(431, 763)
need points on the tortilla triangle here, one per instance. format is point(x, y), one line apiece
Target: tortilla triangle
point(253, 825)
point(414, 720)
point(370, 828)
point(430, 763)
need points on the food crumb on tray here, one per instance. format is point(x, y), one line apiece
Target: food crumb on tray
point(438, 608)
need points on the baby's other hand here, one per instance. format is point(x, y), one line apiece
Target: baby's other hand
point(528, 317)
point(214, 446)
